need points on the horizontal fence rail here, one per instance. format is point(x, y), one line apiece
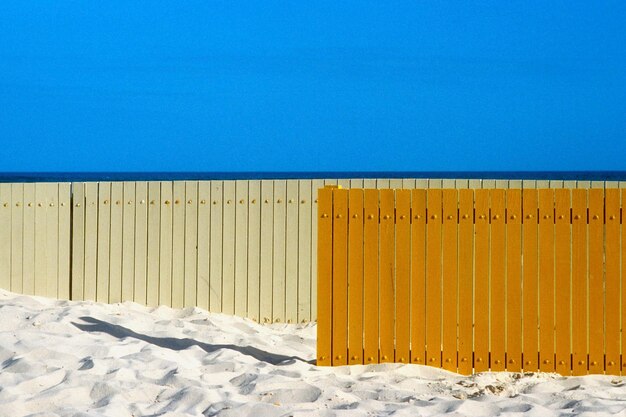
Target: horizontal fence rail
point(473, 280)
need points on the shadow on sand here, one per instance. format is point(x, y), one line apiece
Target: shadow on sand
point(172, 343)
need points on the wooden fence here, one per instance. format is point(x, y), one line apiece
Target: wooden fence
point(473, 280)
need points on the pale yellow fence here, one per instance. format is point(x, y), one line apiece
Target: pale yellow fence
point(473, 280)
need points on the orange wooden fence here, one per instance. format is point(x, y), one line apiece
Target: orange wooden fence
point(473, 280)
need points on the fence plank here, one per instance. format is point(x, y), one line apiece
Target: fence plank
point(386, 276)
point(579, 281)
point(418, 276)
point(498, 280)
point(191, 245)
point(204, 244)
point(267, 248)
point(51, 205)
point(141, 242)
point(340, 277)
point(154, 231)
point(215, 257)
point(514, 280)
point(254, 248)
point(304, 251)
point(178, 244)
point(530, 283)
point(481, 281)
point(596, 281)
point(450, 282)
point(91, 240)
point(38, 206)
point(165, 248)
point(370, 277)
point(433, 278)
point(128, 241)
point(403, 275)
point(5, 239)
point(241, 248)
point(623, 281)
point(17, 237)
point(612, 281)
point(317, 184)
point(562, 281)
point(325, 271)
point(355, 277)
point(278, 262)
point(228, 248)
point(466, 276)
point(546, 280)
point(78, 242)
point(64, 256)
point(104, 239)
point(291, 253)
point(115, 250)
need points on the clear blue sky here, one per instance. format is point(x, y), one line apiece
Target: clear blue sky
point(312, 86)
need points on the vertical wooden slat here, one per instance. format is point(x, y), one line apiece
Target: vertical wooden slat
point(355, 277)
point(204, 242)
point(546, 280)
point(370, 277)
point(433, 278)
point(340, 278)
point(129, 203)
point(191, 245)
point(579, 281)
point(418, 276)
point(115, 251)
point(304, 251)
point(403, 276)
point(563, 281)
point(514, 280)
point(466, 276)
point(51, 205)
point(5, 237)
point(449, 274)
point(241, 248)
point(596, 281)
point(35, 262)
point(316, 184)
point(481, 281)
point(369, 183)
point(623, 275)
point(291, 253)
point(386, 275)
point(64, 228)
point(17, 237)
point(215, 258)
point(104, 237)
point(612, 282)
point(178, 244)
point(254, 249)
point(498, 280)
point(91, 240)
point(530, 283)
point(78, 242)
point(228, 249)
point(165, 248)
point(278, 262)
point(154, 231)
point(325, 278)
point(267, 250)
point(141, 242)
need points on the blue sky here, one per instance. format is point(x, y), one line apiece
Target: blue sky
point(312, 86)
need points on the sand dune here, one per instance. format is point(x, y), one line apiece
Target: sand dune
point(60, 358)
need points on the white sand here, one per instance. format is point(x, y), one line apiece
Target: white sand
point(61, 358)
